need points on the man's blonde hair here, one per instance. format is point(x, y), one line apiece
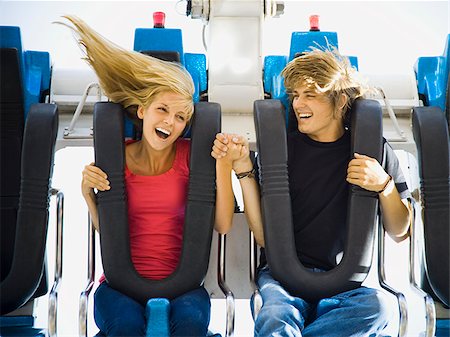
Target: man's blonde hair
point(326, 72)
point(128, 77)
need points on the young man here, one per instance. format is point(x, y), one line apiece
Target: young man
point(322, 86)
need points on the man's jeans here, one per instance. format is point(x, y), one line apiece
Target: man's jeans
point(119, 315)
point(359, 312)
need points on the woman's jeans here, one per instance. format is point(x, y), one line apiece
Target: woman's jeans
point(359, 312)
point(119, 315)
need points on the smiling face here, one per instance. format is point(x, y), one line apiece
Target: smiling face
point(163, 120)
point(316, 115)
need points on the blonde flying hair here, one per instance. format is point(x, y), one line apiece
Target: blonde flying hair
point(130, 78)
point(326, 72)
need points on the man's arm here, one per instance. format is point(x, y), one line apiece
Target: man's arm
point(367, 173)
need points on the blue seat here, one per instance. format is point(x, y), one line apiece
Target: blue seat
point(361, 220)
point(171, 40)
point(300, 42)
point(199, 220)
point(22, 77)
point(34, 67)
point(432, 79)
point(167, 44)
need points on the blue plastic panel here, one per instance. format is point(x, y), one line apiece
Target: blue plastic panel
point(196, 65)
point(168, 39)
point(300, 42)
point(35, 67)
point(432, 77)
point(162, 39)
point(303, 41)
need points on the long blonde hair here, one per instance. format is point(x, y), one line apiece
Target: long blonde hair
point(128, 77)
point(326, 72)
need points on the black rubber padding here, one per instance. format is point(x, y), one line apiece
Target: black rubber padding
point(32, 218)
point(366, 138)
point(430, 133)
point(11, 133)
point(165, 55)
point(112, 206)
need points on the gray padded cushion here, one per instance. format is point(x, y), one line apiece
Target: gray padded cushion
point(32, 220)
point(280, 249)
point(430, 133)
point(112, 208)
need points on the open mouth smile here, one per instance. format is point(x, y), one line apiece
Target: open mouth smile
point(304, 115)
point(162, 133)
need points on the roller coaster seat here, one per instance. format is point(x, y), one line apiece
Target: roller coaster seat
point(199, 219)
point(300, 42)
point(169, 41)
point(33, 66)
point(270, 125)
point(432, 79)
point(24, 221)
point(431, 135)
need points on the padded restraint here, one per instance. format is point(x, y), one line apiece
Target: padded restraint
point(112, 207)
point(165, 55)
point(32, 220)
point(366, 138)
point(430, 133)
point(11, 131)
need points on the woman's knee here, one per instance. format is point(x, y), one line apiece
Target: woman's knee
point(125, 326)
point(190, 312)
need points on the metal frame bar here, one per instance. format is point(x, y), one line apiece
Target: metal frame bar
point(229, 296)
point(401, 299)
point(53, 296)
point(70, 131)
point(392, 115)
point(84, 296)
point(430, 310)
point(257, 299)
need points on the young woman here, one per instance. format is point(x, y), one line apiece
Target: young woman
point(158, 97)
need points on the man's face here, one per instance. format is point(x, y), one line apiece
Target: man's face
point(315, 115)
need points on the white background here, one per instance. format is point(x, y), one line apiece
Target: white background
point(387, 37)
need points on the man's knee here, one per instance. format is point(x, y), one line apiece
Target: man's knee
point(388, 306)
point(272, 316)
point(377, 307)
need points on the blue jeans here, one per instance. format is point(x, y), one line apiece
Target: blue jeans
point(359, 312)
point(119, 315)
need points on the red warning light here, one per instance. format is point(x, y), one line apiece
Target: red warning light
point(159, 19)
point(314, 23)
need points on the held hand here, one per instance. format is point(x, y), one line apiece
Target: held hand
point(93, 177)
point(230, 147)
point(242, 160)
point(220, 148)
point(366, 172)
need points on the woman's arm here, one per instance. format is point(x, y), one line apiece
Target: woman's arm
point(93, 177)
point(224, 152)
point(241, 163)
point(367, 173)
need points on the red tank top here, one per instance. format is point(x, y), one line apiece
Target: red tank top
point(156, 208)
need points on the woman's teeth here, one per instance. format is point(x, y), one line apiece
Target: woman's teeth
point(304, 115)
point(163, 133)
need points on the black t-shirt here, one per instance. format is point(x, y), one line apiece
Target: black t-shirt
point(319, 196)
